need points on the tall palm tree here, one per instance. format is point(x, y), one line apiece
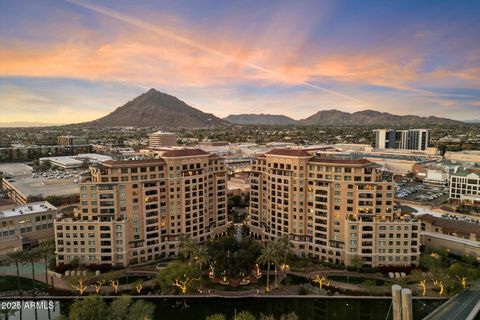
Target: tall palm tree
point(17, 257)
point(188, 248)
point(284, 247)
point(266, 256)
point(200, 256)
point(46, 251)
point(32, 256)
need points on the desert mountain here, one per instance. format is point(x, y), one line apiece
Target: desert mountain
point(154, 108)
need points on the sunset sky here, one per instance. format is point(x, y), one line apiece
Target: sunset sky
point(72, 61)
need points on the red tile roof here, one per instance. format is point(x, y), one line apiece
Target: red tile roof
point(130, 163)
point(184, 153)
point(452, 226)
point(343, 161)
point(289, 152)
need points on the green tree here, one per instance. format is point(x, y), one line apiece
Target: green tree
point(265, 258)
point(216, 316)
point(200, 256)
point(17, 257)
point(356, 262)
point(289, 316)
point(176, 270)
point(141, 310)
point(188, 248)
point(32, 256)
point(91, 308)
point(47, 250)
point(245, 315)
point(119, 308)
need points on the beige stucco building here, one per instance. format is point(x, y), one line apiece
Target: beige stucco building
point(132, 212)
point(25, 225)
point(332, 209)
point(458, 237)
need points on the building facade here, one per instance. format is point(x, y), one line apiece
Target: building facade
point(132, 212)
point(25, 225)
point(464, 182)
point(332, 209)
point(411, 139)
point(71, 140)
point(162, 139)
point(459, 237)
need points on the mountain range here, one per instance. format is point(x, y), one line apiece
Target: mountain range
point(157, 109)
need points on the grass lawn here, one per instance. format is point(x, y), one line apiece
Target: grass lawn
point(9, 283)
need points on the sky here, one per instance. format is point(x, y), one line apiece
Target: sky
point(76, 60)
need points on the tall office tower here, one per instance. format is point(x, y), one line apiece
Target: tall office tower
point(411, 139)
point(162, 139)
point(332, 209)
point(136, 211)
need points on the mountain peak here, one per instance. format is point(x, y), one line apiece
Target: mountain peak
point(157, 109)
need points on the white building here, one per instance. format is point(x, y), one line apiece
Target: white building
point(464, 182)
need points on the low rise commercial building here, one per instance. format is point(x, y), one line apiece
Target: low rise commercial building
point(20, 185)
point(74, 162)
point(25, 225)
point(459, 237)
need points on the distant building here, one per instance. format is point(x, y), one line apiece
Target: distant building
point(162, 139)
point(411, 139)
point(464, 182)
point(459, 237)
point(71, 140)
point(465, 157)
point(25, 225)
point(22, 186)
point(29, 153)
point(73, 162)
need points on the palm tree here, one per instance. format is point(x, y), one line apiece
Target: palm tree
point(46, 250)
point(200, 256)
point(266, 256)
point(284, 247)
point(32, 256)
point(188, 248)
point(18, 257)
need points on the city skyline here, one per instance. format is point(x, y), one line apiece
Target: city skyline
point(72, 61)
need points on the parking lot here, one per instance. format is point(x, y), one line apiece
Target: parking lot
point(419, 192)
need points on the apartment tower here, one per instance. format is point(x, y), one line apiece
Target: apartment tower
point(136, 211)
point(411, 139)
point(332, 209)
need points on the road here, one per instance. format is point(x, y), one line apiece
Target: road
point(459, 308)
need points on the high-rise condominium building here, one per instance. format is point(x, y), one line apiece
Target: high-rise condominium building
point(411, 139)
point(332, 209)
point(136, 211)
point(162, 139)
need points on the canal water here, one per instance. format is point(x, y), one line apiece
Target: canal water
point(305, 308)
